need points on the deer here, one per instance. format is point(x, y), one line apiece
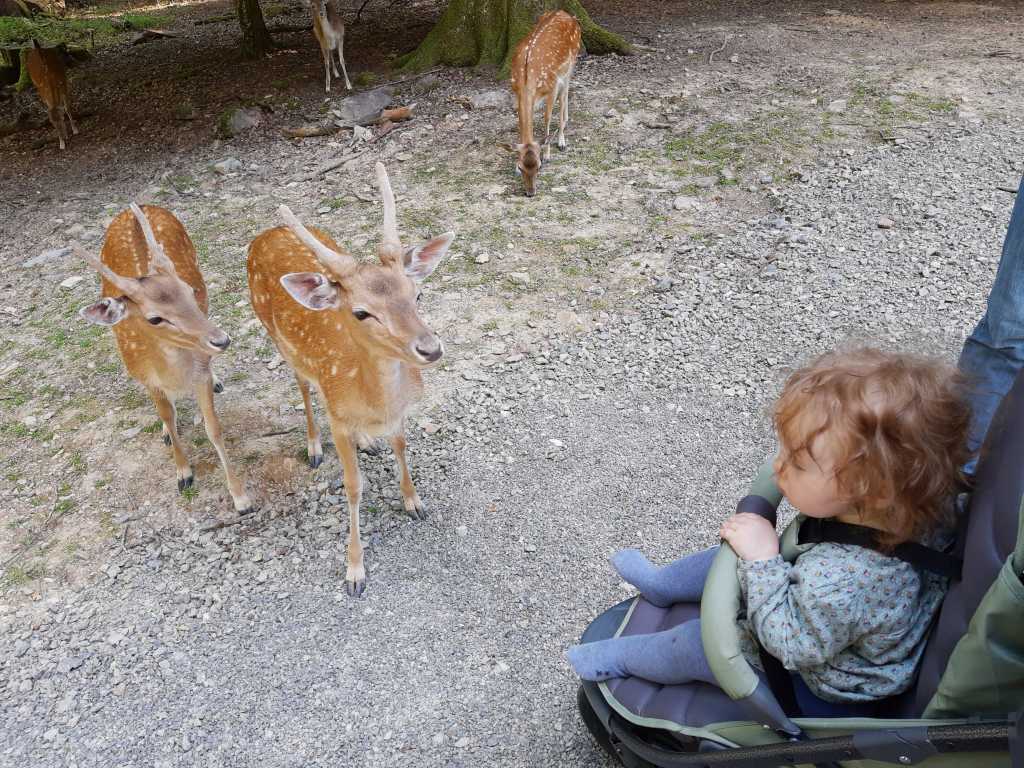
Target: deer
point(329, 29)
point(155, 301)
point(46, 69)
point(542, 67)
point(352, 331)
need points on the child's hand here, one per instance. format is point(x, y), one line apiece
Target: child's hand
point(751, 536)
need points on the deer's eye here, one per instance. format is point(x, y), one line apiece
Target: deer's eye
point(361, 314)
point(154, 320)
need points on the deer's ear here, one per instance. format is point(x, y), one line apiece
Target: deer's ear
point(312, 290)
point(420, 260)
point(108, 311)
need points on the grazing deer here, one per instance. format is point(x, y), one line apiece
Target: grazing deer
point(46, 68)
point(350, 329)
point(155, 300)
point(541, 69)
point(329, 28)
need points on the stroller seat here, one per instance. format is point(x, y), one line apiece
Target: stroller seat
point(969, 684)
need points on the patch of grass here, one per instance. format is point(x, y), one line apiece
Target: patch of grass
point(17, 575)
point(52, 31)
point(152, 429)
point(334, 203)
point(190, 494)
point(199, 441)
point(77, 462)
point(364, 79)
point(489, 326)
point(63, 506)
point(132, 398)
point(15, 429)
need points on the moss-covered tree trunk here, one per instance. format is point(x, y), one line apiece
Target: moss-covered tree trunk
point(472, 32)
point(256, 40)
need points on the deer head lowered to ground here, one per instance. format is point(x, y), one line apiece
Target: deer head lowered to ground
point(155, 301)
point(352, 330)
point(541, 69)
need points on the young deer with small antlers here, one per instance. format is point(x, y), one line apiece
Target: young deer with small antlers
point(46, 69)
point(541, 69)
point(329, 28)
point(155, 300)
point(351, 329)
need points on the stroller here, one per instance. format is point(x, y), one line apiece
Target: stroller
point(964, 710)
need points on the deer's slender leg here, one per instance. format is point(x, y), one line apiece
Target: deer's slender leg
point(413, 505)
point(314, 449)
point(564, 121)
point(327, 67)
point(204, 394)
point(67, 111)
point(355, 571)
point(549, 104)
point(56, 116)
point(341, 58)
point(165, 410)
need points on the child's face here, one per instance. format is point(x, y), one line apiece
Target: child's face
point(808, 481)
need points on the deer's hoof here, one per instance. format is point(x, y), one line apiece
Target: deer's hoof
point(167, 439)
point(185, 482)
point(416, 508)
point(315, 460)
point(218, 386)
point(355, 588)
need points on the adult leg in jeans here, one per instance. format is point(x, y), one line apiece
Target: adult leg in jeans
point(993, 354)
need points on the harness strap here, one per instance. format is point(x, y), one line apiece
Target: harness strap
point(781, 683)
point(818, 530)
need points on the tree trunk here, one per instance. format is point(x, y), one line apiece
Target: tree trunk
point(474, 32)
point(256, 40)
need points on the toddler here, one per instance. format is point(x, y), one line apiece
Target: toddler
point(868, 438)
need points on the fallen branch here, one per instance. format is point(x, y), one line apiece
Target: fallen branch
point(151, 34)
point(711, 56)
point(1007, 188)
point(325, 128)
point(216, 19)
point(410, 77)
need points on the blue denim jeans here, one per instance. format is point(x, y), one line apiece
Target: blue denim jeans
point(993, 354)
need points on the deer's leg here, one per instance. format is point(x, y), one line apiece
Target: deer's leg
point(67, 111)
point(564, 121)
point(327, 66)
point(204, 394)
point(341, 58)
point(549, 104)
point(314, 449)
point(56, 116)
point(413, 505)
point(165, 410)
point(355, 571)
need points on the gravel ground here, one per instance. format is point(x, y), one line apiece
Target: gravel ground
point(238, 645)
point(542, 447)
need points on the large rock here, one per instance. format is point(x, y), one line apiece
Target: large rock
point(239, 120)
point(362, 108)
point(493, 99)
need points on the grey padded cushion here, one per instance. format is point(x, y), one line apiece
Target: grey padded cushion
point(991, 536)
point(694, 704)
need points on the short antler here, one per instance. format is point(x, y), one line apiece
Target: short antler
point(124, 284)
point(336, 262)
point(157, 256)
point(390, 246)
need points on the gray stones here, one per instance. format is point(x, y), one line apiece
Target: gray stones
point(239, 120)
point(228, 165)
point(363, 107)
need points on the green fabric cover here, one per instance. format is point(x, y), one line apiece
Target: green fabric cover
point(720, 605)
point(985, 673)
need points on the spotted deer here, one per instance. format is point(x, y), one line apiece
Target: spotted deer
point(46, 70)
point(329, 28)
point(154, 298)
point(351, 330)
point(542, 66)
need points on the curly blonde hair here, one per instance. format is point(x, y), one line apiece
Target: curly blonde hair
point(898, 426)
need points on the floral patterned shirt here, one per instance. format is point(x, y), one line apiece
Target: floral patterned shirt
point(851, 621)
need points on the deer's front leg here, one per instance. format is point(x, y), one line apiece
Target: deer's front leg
point(165, 410)
point(204, 394)
point(355, 572)
point(314, 448)
point(413, 505)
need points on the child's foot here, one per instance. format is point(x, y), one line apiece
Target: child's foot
point(642, 574)
point(597, 661)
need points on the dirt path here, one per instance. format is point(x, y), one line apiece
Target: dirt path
point(710, 224)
